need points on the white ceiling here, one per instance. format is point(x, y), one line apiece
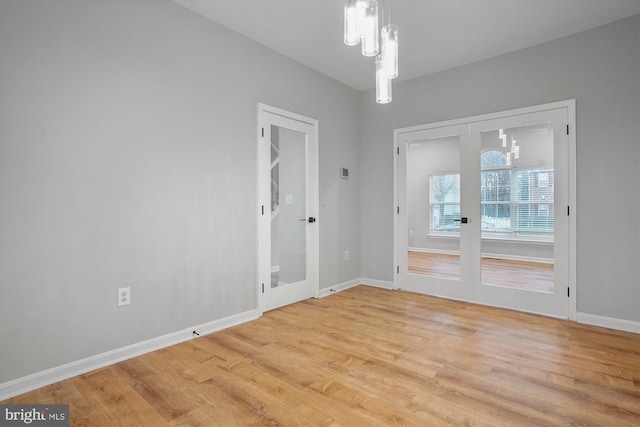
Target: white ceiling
point(434, 35)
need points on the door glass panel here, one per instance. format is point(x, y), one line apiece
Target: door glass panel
point(288, 206)
point(517, 207)
point(433, 204)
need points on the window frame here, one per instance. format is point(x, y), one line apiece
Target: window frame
point(516, 235)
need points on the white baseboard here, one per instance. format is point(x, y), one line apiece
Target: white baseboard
point(377, 283)
point(518, 258)
point(355, 282)
point(338, 288)
point(434, 251)
point(59, 373)
point(608, 322)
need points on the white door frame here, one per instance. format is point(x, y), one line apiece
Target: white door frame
point(268, 115)
point(570, 106)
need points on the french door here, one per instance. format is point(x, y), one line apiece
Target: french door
point(288, 207)
point(430, 166)
point(483, 209)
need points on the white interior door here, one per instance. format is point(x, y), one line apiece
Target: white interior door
point(430, 201)
point(483, 209)
point(522, 205)
point(288, 228)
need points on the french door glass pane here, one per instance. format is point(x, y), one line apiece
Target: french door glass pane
point(288, 206)
point(433, 201)
point(517, 207)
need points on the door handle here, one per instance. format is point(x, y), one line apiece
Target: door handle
point(310, 219)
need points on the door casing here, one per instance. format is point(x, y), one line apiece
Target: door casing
point(267, 116)
point(570, 107)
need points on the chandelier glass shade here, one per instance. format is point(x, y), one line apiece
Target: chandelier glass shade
point(383, 83)
point(389, 36)
point(370, 40)
point(351, 35)
point(362, 26)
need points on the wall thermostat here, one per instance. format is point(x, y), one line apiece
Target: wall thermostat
point(344, 173)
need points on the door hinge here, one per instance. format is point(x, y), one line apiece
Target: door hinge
point(567, 129)
point(263, 132)
point(262, 209)
point(398, 209)
point(568, 210)
point(398, 150)
point(263, 288)
point(568, 292)
point(398, 269)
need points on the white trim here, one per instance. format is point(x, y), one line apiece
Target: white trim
point(608, 322)
point(443, 236)
point(573, 204)
point(268, 115)
point(536, 313)
point(59, 373)
point(434, 251)
point(518, 241)
point(353, 283)
point(383, 284)
point(286, 114)
point(396, 207)
point(491, 116)
point(400, 134)
point(517, 258)
point(339, 287)
point(514, 240)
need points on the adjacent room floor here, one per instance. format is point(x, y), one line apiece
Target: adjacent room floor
point(532, 276)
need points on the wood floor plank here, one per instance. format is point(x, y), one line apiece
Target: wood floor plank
point(113, 402)
point(371, 357)
point(161, 391)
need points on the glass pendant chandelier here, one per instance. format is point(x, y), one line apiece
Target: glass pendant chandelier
point(515, 148)
point(389, 36)
point(351, 35)
point(361, 25)
point(503, 137)
point(370, 39)
point(383, 83)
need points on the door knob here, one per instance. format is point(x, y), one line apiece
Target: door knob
point(310, 219)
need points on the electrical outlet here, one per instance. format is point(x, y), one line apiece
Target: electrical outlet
point(124, 296)
point(346, 255)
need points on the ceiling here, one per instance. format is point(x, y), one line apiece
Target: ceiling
point(434, 35)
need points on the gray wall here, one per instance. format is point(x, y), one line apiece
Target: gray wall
point(600, 68)
point(128, 155)
point(128, 158)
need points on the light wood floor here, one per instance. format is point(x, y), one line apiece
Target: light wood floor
point(533, 276)
point(371, 357)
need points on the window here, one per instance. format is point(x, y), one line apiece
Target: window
point(516, 203)
point(444, 203)
point(535, 202)
point(543, 180)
